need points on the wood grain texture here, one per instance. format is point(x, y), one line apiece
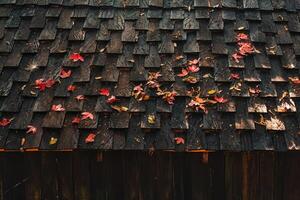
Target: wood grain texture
point(136, 175)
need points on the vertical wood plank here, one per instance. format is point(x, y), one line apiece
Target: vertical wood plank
point(217, 170)
point(131, 166)
point(179, 175)
point(198, 177)
point(245, 178)
point(49, 176)
point(278, 167)
point(267, 175)
point(81, 175)
point(164, 175)
point(1, 176)
point(148, 177)
point(32, 165)
point(292, 177)
point(253, 171)
point(233, 176)
point(114, 176)
point(14, 179)
point(65, 175)
point(98, 184)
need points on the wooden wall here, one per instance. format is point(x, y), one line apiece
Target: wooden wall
point(131, 175)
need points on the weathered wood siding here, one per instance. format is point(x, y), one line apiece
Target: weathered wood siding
point(135, 175)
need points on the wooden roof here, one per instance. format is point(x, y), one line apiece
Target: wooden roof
point(247, 53)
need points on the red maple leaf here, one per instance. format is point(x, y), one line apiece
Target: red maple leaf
point(90, 138)
point(49, 83)
point(80, 97)
point(245, 48)
point(41, 84)
point(57, 108)
point(71, 88)
point(294, 80)
point(179, 140)
point(220, 99)
point(255, 90)
point(31, 129)
point(234, 76)
point(76, 120)
point(87, 115)
point(193, 68)
point(111, 100)
point(138, 88)
point(237, 57)
point(5, 122)
point(75, 57)
point(65, 73)
point(242, 36)
point(104, 92)
point(183, 73)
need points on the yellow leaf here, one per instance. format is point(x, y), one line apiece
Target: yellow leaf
point(120, 108)
point(210, 92)
point(53, 141)
point(151, 119)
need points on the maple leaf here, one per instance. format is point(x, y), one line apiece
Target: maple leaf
point(31, 129)
point(193, 62)
point(179, 57)
point(71, 88)
point(139, 94)
point(76, 120)
point(76, 57)
point(87, 115)
point(245, 48)
point(198, 103)
point(57, 108)
point(294, 80)
point(190, 79)
point(154, 75)
point(168, 96)
point(193, 68)
point(220, 99)
point(41, 84)
point(52, 141)
point(119, 108)
point(65, 73)
point(236, 57)
point(80, 97)
point(234, 76)
point(5, 122)
point(242, 36)
point(183, 73)
point(179, 140)
point(255, 90)
point(212, 91)
point(152, 79)
point(151, 119)
point(50, 83)
point(90, 138)
point(104, 92)
point(112, 100)
point(138, 88)
point(153, 84)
